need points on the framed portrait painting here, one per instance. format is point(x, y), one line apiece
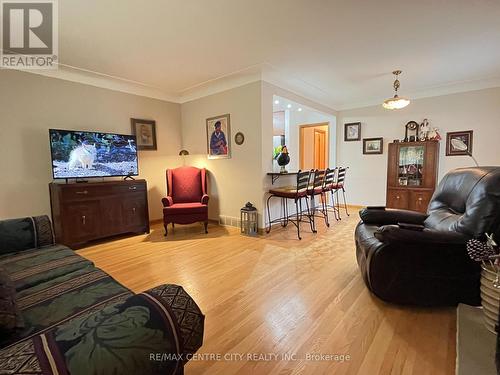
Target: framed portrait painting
point(219, 137)
point(145, 132)
point(373, 146)
point(459, 143)
point(352, 131)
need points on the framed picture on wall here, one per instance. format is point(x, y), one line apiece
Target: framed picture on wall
point(145, 131)
point(373, 146)
point(459, 143)
point(352, 131)
point(219, 137)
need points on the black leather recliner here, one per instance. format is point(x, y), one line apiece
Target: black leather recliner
point(430, 267)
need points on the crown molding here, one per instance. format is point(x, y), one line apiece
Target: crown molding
point(219, 84)
point(298, 90)
point(430, 92)
point(88, 77)
point(258, 72)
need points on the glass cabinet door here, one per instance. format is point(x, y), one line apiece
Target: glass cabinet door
point(410, 165)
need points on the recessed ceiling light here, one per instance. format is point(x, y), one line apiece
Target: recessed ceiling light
point(276, 101)
point(300, 110)
point(289, 106)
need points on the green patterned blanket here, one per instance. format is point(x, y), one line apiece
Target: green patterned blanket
point(79, 320)
point(121, 338)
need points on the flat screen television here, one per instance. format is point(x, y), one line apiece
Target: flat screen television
point(83, 154)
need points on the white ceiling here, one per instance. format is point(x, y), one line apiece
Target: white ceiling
point(339, 53)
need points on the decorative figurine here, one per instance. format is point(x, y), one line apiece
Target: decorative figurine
point(283, 158)
point(425, 128)
point(434, 135)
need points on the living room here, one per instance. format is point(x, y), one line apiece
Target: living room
point(205, 107)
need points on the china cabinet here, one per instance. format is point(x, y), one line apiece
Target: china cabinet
point(412, 174)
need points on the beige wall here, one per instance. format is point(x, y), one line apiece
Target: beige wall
point(475, 110)
point(232, 182)
point(31, 104)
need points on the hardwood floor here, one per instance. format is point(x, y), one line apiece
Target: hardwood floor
point(276, 295)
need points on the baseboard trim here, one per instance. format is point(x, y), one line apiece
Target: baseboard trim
point(355, 206)
point(261, 230)
point(160, 221)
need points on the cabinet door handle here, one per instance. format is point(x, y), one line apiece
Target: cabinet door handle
point(420, 199)
point(132, 187)
point(82, 192)
point(397, 197)
point(84, 219)
point(133, 210)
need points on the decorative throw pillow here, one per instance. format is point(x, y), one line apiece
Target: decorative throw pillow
point(10, 319)
point(17, 235)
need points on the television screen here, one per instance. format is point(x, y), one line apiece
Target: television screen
point(81, 154)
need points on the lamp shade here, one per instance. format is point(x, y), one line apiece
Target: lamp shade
point(396, 102)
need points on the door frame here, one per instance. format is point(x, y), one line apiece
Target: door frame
point(301, 140)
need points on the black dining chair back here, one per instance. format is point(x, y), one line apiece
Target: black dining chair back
point(303, 180)
point(341, 176)
point(340, 185)
point(329, 178)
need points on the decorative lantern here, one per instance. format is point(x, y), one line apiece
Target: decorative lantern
point(248, 220)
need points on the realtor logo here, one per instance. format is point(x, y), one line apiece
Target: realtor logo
point(29, 34)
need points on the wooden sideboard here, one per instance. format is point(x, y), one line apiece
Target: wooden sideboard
point(412, 174)
point(84, 212)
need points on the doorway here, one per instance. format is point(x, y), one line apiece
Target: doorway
point(313, 146)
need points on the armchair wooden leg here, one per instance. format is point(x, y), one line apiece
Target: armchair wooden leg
point(166, 230)
point(206, 226)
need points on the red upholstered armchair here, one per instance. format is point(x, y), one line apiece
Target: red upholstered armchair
point(187, 200)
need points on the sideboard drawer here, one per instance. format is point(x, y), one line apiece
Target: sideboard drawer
point(89, 190)
point(129, 188)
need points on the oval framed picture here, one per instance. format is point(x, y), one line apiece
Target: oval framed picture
point(239, 138)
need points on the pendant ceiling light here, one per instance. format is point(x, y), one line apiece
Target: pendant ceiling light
point(397, 102)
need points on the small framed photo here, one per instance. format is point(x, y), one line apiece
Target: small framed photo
point(145, 132)
point(219, 137)
point(239, 138)
point(373, 146)
point(352, 132)
point(459, 143)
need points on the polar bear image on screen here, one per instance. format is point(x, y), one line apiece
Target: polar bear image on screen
point(82, 157)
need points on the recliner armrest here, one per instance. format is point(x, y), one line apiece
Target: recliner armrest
point(394, 234)
point(204, 199)
point(391, 216)
point(167, 201)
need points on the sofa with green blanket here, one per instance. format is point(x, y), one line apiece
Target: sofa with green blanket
point(59, 314)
